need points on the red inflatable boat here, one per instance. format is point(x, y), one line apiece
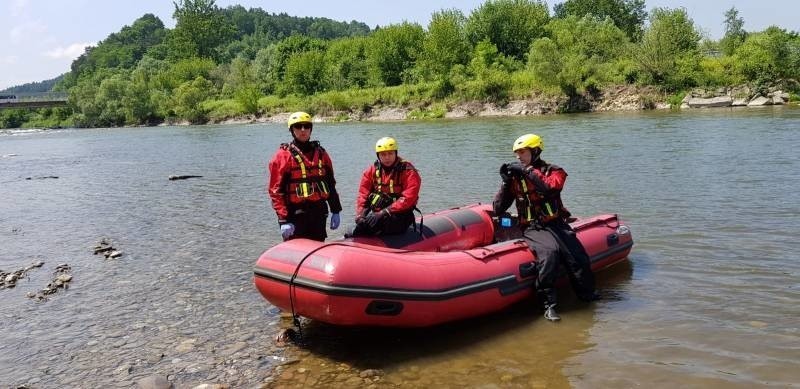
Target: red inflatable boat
point(460, 265)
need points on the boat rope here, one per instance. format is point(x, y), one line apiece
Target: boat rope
point(293, 287)
point(421, 221)
point(295, 316)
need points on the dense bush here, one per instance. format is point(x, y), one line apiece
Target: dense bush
point(580, 54)
point(669, 54)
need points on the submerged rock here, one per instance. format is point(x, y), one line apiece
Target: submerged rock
point(9, 280)
point(61, 280)
point(104, 247)
point(173, 178)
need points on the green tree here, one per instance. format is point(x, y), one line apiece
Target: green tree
point(124, 48)
point(628, 15)
point(199, 30)
point(13, 118)
point(110, 98)
point(35, 87)
point(83, 97)
point(486, 77)
point(246, 47)
point(188, 97)
point(734, 32)
point(304, 74)
point(185, 70)
point(510, 25)
point(668, 54)
point(346, 63)
point(392, 52)
point(238, 81)
point(275, 27)
point(266, 68)
point(580, 54)
point(445, 44)
point(769, 55)
point(270, 62)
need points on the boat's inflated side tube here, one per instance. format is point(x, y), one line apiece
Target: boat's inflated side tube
point(461, 228)
point(455, 229)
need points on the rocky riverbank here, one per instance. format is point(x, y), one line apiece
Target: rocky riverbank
point(620, 98)
point(623, 98)
point(738, 96)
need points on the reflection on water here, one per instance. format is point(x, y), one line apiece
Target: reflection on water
point(709, 297)
point(514, 348)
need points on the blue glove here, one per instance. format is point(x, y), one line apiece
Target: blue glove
point(287, 230)
point(335, 221)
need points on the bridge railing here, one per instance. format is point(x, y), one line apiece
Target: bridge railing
point(45, 96)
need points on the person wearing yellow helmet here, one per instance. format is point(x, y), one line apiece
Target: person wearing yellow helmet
point(388, 193)
point(302, 185)
point(536, 187)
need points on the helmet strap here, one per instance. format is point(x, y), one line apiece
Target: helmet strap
point(535, 154)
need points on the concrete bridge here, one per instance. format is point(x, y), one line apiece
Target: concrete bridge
point(33, 100)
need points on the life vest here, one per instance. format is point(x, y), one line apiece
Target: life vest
point(384, 194)
point(307, 177)
point(537, 207)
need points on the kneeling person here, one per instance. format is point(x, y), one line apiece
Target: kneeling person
point(536, 186)
point(388, 193)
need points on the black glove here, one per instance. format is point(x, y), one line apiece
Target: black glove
point(374, 218)
point(515, 169)
point(504, 174)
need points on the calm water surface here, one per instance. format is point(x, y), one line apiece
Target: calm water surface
point(709, 298)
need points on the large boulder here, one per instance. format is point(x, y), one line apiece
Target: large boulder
point(759, 101)
point(722, 101)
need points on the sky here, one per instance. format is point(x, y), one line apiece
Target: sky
point(39, 39)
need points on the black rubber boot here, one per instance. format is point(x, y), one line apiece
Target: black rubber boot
point(550, 313)
point(589, 297)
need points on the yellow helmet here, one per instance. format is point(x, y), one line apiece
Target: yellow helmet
point(386, 144)
point(531, 141)
point(299, 117)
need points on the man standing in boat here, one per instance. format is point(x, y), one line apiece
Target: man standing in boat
point(302, 185)
point(388, 193)
point(536, 187)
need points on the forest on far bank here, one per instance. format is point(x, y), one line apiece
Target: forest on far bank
point(220, 63)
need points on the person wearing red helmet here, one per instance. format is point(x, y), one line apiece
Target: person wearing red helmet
point(302, 185)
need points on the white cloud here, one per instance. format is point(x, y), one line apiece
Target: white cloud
point(18, 7)
point(27, 31)
point(9, 60)
point(70, 52)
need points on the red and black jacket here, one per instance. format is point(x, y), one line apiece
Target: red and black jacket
point(395, 188)
point(301, 177)
point(537, 194)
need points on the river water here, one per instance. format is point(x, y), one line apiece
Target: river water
point(709, 298)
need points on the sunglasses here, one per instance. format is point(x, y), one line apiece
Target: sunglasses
point(303, 126)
